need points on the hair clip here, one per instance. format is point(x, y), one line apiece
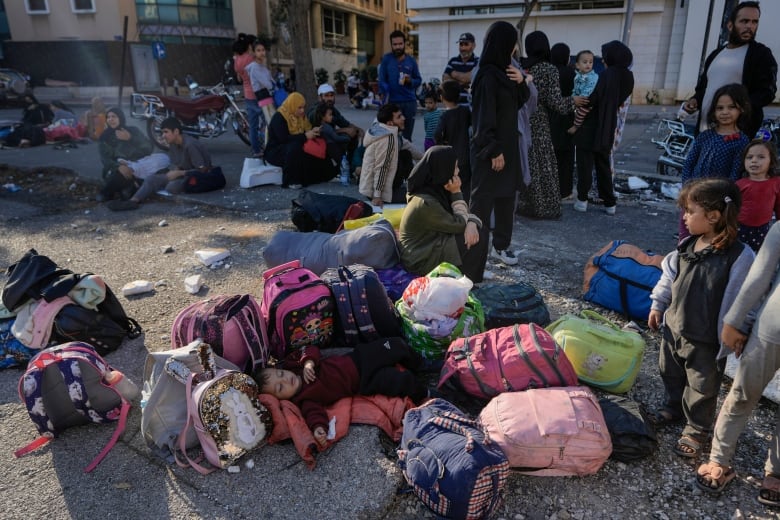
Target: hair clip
point(726, 199)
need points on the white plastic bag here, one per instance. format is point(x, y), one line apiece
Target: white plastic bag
point(443, 297)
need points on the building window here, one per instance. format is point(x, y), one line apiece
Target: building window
point(82, 6)
point(334, 23)
point(398, 6)
point(185, 12)
point(37, 6)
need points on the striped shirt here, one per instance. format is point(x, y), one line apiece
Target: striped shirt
point(431, 120)
point(457, 64)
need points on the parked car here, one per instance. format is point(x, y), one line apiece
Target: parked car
point(13, 85)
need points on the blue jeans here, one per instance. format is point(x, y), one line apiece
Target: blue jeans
point(409, 110)
point(255, 116)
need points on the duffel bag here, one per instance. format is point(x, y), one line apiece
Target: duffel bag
point(633, 434)
point(505, 305)
point(451, 465)
point(602, 354)
point(621, 277)
point(506, 359)
point(549, 432)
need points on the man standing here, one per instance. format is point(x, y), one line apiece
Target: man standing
point(399, 78)
point(388, 160)
point(340, 123)
point(460, 67)
point(742, 60)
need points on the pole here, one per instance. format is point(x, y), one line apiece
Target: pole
point(706, 37)
point(629, 21)
point(122, 67)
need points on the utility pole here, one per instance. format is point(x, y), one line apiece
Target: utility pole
point(629, 21)
point(122, 67)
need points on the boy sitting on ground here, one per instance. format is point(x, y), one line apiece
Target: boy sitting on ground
point(370, 369)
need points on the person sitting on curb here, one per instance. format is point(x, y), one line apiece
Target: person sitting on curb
point(388, 158)
point(185, 154)
point(340, 123)
point(127, 157)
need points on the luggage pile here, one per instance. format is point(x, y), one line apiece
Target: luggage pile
point(535, 416)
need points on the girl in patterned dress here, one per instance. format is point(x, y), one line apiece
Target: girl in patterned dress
point(717, 152)
point(760, 187)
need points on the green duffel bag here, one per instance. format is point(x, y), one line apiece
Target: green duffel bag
point(418, 334)
point(602, 354)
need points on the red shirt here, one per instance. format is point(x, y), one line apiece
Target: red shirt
point(759, 200)
point(239, 63)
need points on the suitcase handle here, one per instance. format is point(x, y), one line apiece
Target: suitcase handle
point(294, 264)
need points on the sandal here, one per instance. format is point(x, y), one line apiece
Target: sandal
point(770, 491)
point(713, 478)
point(689, 446)
point(663, 418)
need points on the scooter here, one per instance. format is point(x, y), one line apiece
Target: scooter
point(207, 116)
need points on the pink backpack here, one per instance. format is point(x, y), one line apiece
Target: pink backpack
point(549, 432)
point(298, 308)
point(232, 325)
point(507, 359)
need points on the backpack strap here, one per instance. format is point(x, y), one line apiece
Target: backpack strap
point(120, 428)
point(193, 463)
point(340, 289)
point(359, 303)
point(253, 331)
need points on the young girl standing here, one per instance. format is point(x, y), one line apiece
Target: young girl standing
point(760, 189)
point(699, 283)
point(717, 152)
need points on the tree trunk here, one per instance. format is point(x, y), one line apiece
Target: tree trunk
point(299, 14)
point(528, 7)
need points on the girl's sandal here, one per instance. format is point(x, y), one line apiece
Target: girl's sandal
point(713, 478)
point(769, 495)
point(689, 447)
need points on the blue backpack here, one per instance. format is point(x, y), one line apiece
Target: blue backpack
point(450, 463)
point(621, 277)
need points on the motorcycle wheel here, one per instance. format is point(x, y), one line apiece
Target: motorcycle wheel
point(154, 132)
point(241, 126)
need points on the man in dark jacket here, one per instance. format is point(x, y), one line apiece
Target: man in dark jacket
point(742, 60)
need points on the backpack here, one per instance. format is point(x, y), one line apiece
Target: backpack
point(601, 353)
point(232, 325)
point(196, 181)
point(507, 359)
point(68, 385)
point(450, 462)
point(620, 277)
point(549, 432)
point(12, 352)
point(36, 277)
point(505, 305)
point(224, 410)
point(365, 312)
point(298, 309)
point(633, 434)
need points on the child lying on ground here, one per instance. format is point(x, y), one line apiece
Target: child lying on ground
point(370, 369)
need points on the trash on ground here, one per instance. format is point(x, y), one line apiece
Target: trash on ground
point(636, 183)
point(137, 287)
point(212, 255)
point(671, 189)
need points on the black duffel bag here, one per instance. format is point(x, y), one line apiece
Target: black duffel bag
point(507, 305)
point(633, 435)
point(319, 212)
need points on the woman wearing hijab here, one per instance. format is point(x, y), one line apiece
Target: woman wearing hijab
point(498, 91)
point(126, 154)
point(34, 113)
point(288, 131)
point(436, 225)
point(596, 136)
point(560, 55)
point(542, 198)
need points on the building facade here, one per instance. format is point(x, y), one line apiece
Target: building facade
point(668, 38)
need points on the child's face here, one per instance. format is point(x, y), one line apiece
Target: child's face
point(698, 220)
point(726, 111)
point(430, 105)
point(585, 63)
point(328, 117)
point(757, 161)
point(281, 384)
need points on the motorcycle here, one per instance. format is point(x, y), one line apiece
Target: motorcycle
point(207, 116)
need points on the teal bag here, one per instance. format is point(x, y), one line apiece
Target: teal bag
point(417, 335)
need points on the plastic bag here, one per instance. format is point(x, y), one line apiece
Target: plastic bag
point(437, 298)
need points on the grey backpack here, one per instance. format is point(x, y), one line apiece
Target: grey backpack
point(164, 398)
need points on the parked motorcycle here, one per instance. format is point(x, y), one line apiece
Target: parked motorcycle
point(207, 116)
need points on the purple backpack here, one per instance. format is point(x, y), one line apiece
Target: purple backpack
point(298, 308)
point(232, 325)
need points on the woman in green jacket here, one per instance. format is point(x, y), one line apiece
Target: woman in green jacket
point(436, 226)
